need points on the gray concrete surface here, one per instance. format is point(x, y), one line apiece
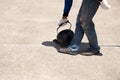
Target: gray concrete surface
point(26, 24)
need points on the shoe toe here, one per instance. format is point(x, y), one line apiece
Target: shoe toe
point(98, 54)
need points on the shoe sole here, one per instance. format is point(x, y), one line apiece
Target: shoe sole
point(70, 53)
point(91, 54)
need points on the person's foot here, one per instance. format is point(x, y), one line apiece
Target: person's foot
point(67, 51)
point(104, 4)
point(91, 52)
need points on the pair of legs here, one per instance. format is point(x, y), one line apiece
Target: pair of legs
point(84, 24)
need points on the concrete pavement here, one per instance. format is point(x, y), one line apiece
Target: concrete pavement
point(26, 24)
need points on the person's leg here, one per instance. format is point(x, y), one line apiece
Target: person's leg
point(92, 36)
point(79, 32)
point(85, 24)
point(89, 27)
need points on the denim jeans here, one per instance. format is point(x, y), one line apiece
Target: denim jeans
point(84, 24)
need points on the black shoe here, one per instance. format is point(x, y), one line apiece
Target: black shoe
point(90, 52)
point(97, 53)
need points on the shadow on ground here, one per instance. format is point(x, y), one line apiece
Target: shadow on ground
point(84, 46)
